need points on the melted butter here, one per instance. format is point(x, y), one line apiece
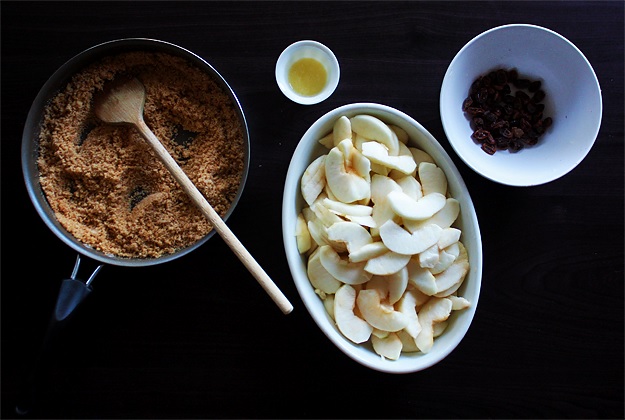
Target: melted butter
point(307, 76)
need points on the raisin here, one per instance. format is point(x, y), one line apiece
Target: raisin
point(515, 119)
point(534, 86)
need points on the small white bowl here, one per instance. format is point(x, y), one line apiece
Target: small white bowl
point(307, 49)
point(309, 149)
point(573, 101)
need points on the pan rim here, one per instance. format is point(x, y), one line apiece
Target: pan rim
point(32, 126)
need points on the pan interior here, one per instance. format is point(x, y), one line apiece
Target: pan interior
point(32, 131)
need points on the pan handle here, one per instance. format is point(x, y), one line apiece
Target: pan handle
point(71, 294)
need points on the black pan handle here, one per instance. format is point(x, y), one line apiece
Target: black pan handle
point(71, 294)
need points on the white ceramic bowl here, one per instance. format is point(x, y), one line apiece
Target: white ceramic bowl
point(307, 49)
point(573, 100)
point(307, 150)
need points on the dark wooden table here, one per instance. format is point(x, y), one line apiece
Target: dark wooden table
point(198, 338)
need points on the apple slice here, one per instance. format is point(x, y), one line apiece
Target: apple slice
point(407, 305)
point(420, 156)
point(443, 218)
point(302, 235)
point(433, 179)
point(327, 141)
point(387, 264)
point(343, 270)
point(347, 209)
point(430, 257)
point(379, 315)
point(433, 311)
point(410, 186)
point(458, 303)
point(351, 234)
point(346, 185)
point(397, 284)
point(407, 342)
point(319, 277)
point(381, 186)
point(383, 212)
point(328, 303)
point(388, 347)
point(325, 216)
point(373, 128)
point(401, 134)
point(341, 130)
point(313, 180)
point(446, 258)
point(448, 237)
point(354, 328)
point(421, 209)
point(454, 275)
point(399, 240)
point(377, 153)
point(367, 252)
point(421, 278)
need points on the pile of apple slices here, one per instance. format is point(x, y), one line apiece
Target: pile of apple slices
point(382, 252)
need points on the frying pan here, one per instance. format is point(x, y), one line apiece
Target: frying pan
point(73, 291)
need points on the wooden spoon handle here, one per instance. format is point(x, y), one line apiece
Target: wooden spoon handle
point(218, 224)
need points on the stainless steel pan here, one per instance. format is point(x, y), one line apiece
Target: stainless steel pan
point(73, 291)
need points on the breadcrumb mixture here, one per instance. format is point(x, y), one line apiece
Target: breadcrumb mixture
point(103, 181)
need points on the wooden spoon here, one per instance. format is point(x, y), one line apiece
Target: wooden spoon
point(123, 103)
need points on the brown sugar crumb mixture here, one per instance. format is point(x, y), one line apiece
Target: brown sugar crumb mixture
point(103, 181)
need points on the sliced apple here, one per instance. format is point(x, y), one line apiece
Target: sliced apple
point(387, 263)
point(346, 185)
point(401, 134)
point(420, 156)
point(430, 257)
point(399, 240)
point(361, 165)
point(432, 178)
point(421, 209)
point(354, 328)
point(347, 209)
point(448, 237)
point(379, 333)
point(366, 221)
point(328, 303)
point(458, 303)
point(302, 235)
point(318, 232)
point(407, 305)
point(410, 186)
point(433, 311)
point(367, 252)
point(446, 258)
point(439, 328)
point(421, 278)
point(319, 277)
point(443, 218)
point(327, 141)
point(397, 284)
point(342, 130)
point(313, 180)
point(388, 347)
point(383, 212)
point(324, 215)
point(351, 234)
point(455, 274)
point(378, 315)
point(377, 153)
point(381, 186)
point(343, 270)
point(373, 128)
point(408, 343)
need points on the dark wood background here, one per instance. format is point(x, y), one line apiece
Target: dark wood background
point(198, 338)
